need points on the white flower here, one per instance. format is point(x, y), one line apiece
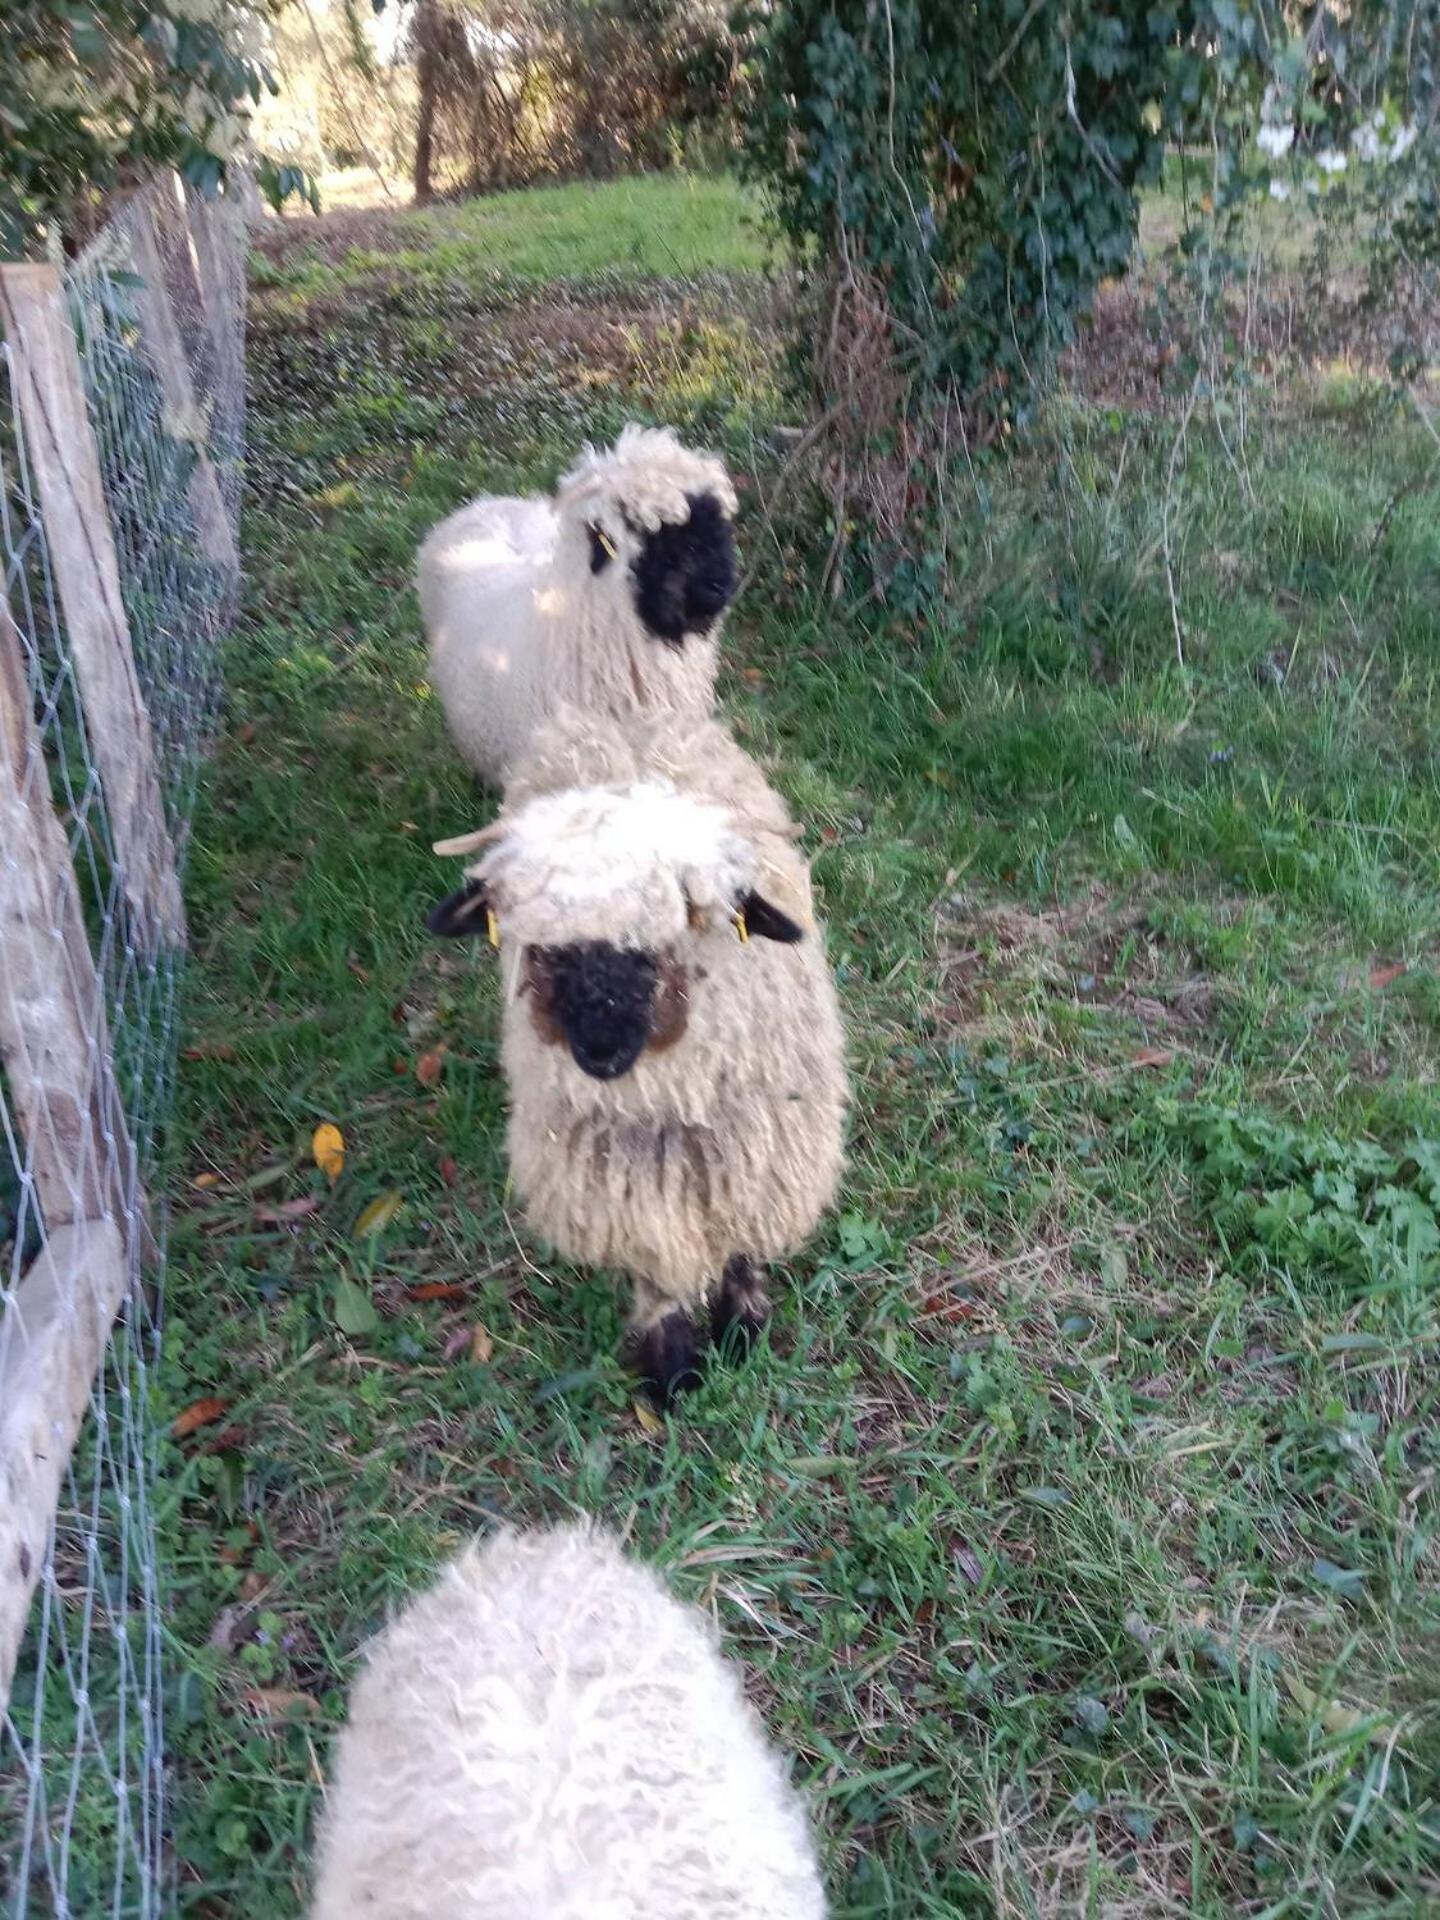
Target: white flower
point(1402, 143)
point(1279, 190)
point(1366, 142)
point(1276, 141)
point(1330, 161)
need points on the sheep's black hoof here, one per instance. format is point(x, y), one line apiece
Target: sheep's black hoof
point(667, 1358)
point(741, 1306)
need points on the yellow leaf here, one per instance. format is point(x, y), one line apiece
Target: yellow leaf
point(328, 1146)
point(1334, 1717)
point(481, 1345)
point(378, 1215)
point(650, 1421)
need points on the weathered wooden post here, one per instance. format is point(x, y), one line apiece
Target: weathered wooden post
point(61, 450)
point(79, 1160)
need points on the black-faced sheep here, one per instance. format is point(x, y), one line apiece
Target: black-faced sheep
point(608, 597)
point(549, 1735)
point(671, 1040)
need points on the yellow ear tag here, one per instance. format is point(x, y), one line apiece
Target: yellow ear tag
point(740, 926)
point(492, 928)
point(606, 542)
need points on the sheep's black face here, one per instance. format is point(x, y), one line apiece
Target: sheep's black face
point(602, 1000)
point(684, 575)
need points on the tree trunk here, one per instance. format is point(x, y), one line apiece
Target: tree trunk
point(427, 73)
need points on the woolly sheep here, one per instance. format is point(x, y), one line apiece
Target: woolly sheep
point(548, 1734)
point(608, 597)
point(671, 1038)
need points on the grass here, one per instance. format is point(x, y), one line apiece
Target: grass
point(1077, 1525)
point(653, 224)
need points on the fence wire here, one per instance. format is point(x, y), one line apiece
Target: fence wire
point(82, 1749)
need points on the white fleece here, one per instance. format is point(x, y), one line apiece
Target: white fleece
point(516, 622)
point(548, 1734)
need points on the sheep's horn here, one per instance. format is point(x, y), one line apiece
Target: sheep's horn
point(467, 842)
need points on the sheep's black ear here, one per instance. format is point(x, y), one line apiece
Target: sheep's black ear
point(767, 922)
point(602, 549)
point(462, 915)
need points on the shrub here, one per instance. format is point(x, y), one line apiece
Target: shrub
point(97, 92)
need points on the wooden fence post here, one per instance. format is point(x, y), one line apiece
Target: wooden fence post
point(51, 1339)
point(50, 400)
point(54, 1039)
point(183, 419)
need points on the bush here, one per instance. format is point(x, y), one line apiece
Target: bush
point(973, 168)
point(97, 92)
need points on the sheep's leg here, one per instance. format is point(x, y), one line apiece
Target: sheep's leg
point(740, 1305)
point(663, 1345)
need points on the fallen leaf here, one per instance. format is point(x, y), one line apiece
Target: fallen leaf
point(209, 1050)
point(1347, 1581)
point(1334, 1717)
point(821, 1466)
point(943, 1306)
point(1046, 1496)
point(449, 1172)
point(287, 1210)
point(649, 1420)
point(328, 1147)
point(435, 1290)
point(456, 1344)
point(968, 1561)
point(1152, 1057)
point(362, 974)
point(1383, 976)
point(354, 1309)
point(199, 1413)
point(481, 1345)
point(246, 735)
point(205, 1180)
point(266, 1177)
point(273, 1702)
point(379, 1214)
point(230, 1624)
point(430, 1066)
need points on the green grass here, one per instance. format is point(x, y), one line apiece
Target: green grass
point(1077, 1526)
point(655, 224)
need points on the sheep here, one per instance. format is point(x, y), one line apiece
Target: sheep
point(548, 1734)
point(609, 596)
point(671, 1039)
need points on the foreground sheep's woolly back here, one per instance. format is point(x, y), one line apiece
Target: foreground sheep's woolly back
point(609, 596)
point(671, 1038)
point(549, 1735)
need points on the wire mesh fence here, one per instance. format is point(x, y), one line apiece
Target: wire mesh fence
point(151, 316)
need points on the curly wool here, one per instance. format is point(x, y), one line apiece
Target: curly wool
point(731, 1140)
point(517, 622)
point(549, 1735)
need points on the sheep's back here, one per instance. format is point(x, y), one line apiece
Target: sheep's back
point(479, 575)
point(546, 1735)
